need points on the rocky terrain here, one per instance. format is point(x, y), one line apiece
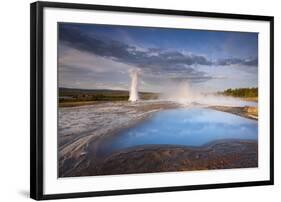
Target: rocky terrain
point(82, 126)
point(81, 129)
point(246, 111)
point(167, 158)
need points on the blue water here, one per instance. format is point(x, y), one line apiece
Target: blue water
point(190, 127)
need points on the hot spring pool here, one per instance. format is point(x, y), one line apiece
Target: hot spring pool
point(189, 127)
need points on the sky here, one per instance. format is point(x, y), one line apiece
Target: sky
point(92, 56)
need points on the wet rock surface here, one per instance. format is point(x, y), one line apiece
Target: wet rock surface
point(167, 158)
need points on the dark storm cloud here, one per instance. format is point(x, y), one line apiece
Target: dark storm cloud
point(125, 53)
point(237, 61)
point(154, 60)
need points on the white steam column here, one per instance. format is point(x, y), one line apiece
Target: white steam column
point(134, 96)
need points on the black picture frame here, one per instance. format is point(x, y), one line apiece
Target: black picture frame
point(36, 98)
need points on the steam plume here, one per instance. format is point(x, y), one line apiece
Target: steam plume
point(183, 93)
point(134, 73)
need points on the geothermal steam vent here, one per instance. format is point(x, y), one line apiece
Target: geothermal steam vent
point(134, 96)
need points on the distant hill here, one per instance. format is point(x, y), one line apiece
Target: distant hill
point(74, 91)
point(79, 95)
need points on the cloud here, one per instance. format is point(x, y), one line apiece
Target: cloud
point(237, 61)
point(129, 54)
point(84, 56)
point(152, 58)
point(85, 70)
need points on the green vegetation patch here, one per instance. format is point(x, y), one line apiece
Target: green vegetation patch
point(241, 92)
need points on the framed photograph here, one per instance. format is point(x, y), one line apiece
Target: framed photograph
point(134, 100)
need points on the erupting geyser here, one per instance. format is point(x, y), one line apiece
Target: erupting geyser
point(134, 96)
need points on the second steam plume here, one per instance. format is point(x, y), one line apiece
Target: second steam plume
point(134, 96)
